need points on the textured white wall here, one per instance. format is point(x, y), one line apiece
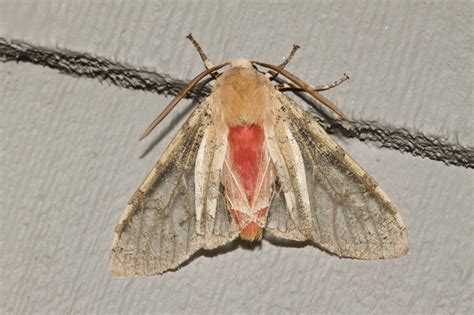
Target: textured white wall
point(70, 159)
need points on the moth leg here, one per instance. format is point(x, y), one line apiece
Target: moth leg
point(272, 74)
point(207, 62)
point(322, 87)
point(328, 86)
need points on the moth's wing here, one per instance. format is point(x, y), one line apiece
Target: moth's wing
point(179, 208)
point(322, 194)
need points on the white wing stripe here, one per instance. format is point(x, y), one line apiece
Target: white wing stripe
point(200, 175)
point(297, 158)
point(215, 172)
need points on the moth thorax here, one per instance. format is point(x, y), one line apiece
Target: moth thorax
point(242, 96)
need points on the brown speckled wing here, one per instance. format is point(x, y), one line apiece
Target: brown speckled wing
point(159, 229)
point(349, 215)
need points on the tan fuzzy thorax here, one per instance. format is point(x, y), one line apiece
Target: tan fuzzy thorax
point(243, 96)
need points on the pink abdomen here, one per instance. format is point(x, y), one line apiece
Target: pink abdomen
point(246, 158)
point(246, 150)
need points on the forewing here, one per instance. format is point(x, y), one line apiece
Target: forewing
point(336, 204)
point(159, 229)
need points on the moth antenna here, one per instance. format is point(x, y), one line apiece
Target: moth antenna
point(207, 62)
point(304, 86)
point(178, 97)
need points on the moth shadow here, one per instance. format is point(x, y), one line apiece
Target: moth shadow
point(239, 243)
point(281, 242)
point(221, 250)
point(251, 246)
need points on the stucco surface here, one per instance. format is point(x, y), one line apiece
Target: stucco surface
point(70, 158)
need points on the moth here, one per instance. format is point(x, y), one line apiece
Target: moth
point(247, 162)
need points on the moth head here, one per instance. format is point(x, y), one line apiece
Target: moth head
point(241, 63)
